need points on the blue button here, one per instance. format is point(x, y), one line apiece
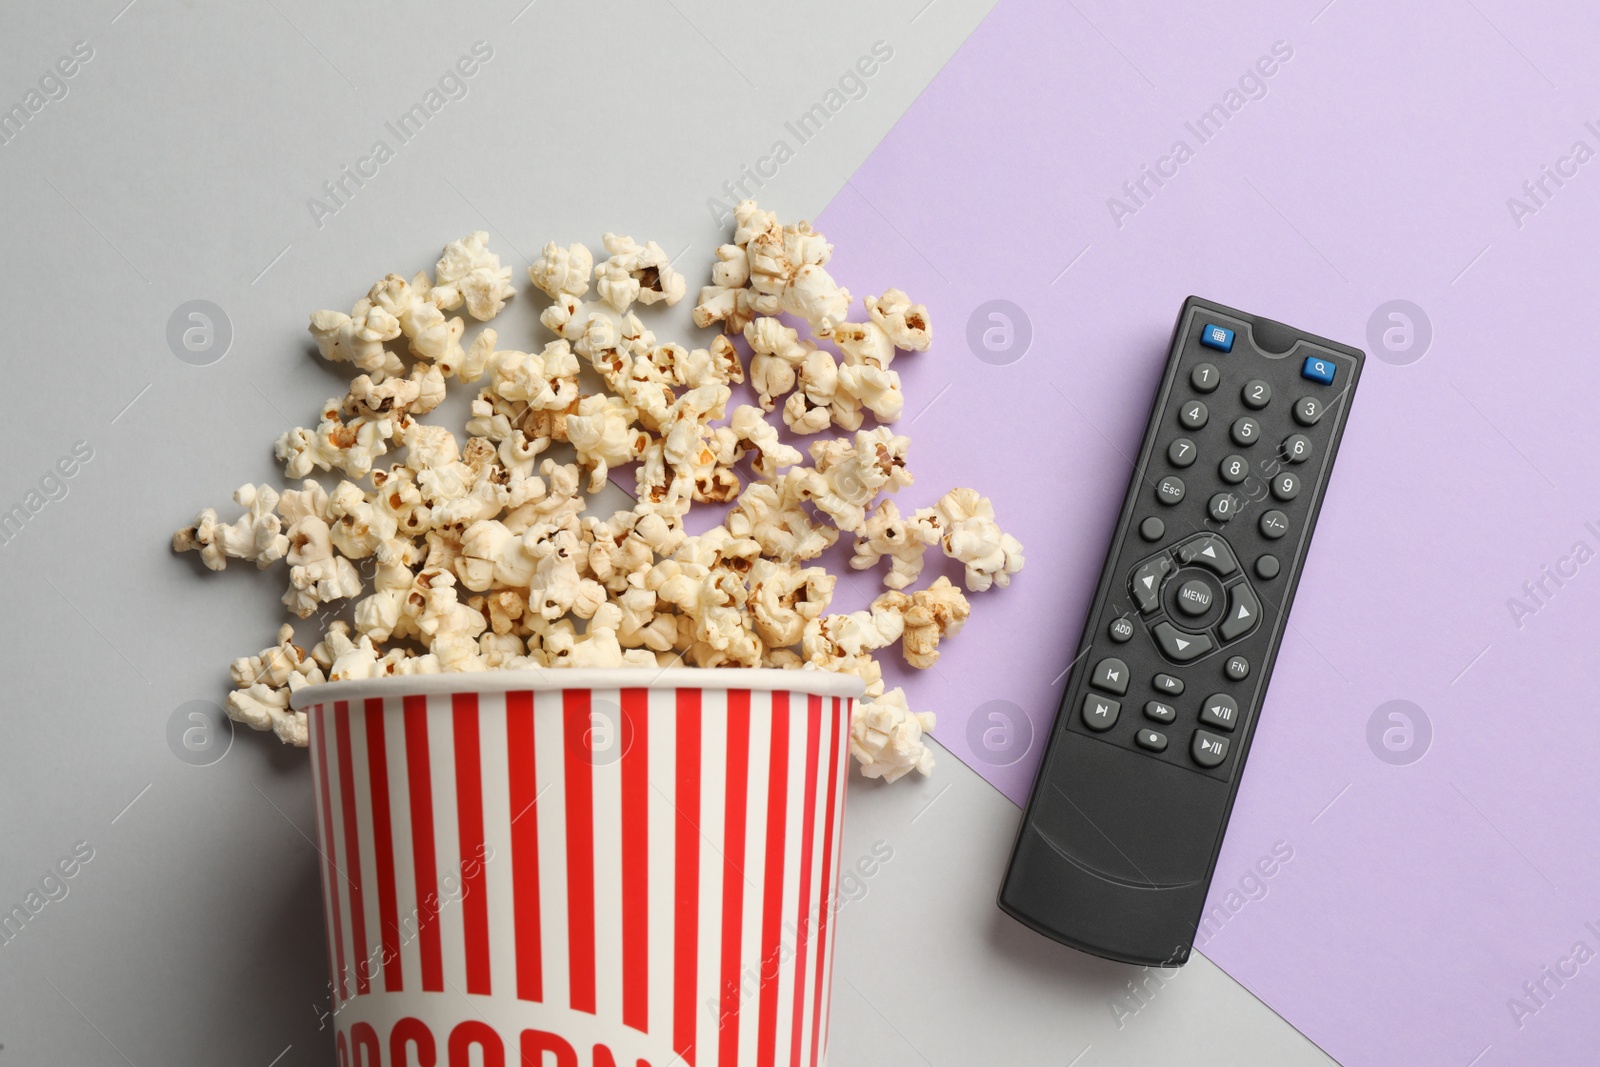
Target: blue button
point(1214, 336)
point(1318, 370)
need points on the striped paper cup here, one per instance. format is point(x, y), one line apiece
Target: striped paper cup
point(581, 868)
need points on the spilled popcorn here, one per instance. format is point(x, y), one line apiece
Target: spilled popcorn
point(481, 553)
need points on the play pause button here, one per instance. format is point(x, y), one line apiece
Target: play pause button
point(1208, 749)
point(1220, 710)
point(1100, 713)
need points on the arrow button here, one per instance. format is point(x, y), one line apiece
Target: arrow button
point(1244, 611)
point(1147, 579)
point(1180, 646)
point(1209, 551)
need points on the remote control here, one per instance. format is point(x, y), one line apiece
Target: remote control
point(1122, 830)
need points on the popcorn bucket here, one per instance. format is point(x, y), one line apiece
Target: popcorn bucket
point(581, 868)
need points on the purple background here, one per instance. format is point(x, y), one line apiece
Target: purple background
point(1377, 167)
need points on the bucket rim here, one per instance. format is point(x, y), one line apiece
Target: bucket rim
point(766, 679)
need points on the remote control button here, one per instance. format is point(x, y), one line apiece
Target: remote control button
point(1286, 486)
point(1318, 370)
point(1296, 448)
point(1152, 529)
point(1238, 669)
point(1181, 452)
point(1209, 551)
point(1307, 410)
point(1220, 710)
point(1181, 646)
point(1100, 713)
point(1274, 524)
point(1121, 630)
point(1222, 506)
point(1204, 378)
point(1245, 431)
point(1234, 469)
point(1110, 674)
point(1168, 684)
point(1170, 490)
point(1267, 567)
point(1257, 394)
point(1244, 611)
point(1194, 597)
point(1208, 749)
point(1150, 739)
point(1214, 336)
point(1147, 583)
point(1193, 415)
point(1159, 712)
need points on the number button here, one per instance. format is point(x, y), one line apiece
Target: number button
point(1257, 394)
point(1296, 448)
point(1245, 431)
point(1286, 486)
point(1307, 410)
point(1205, 378)
point(1274, 524)
point(1223, 506)
point(1170, 491)
point(1194, 415)
point(1234, 470)
point(1181, 452)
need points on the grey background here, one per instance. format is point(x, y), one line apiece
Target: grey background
point(178, 168)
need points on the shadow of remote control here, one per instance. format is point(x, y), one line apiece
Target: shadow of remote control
point(1122, 829)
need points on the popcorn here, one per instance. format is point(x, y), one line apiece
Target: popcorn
point(351, 447)
point(905, 323)
point(255, 536)
point(636, 272)
point(929, 615)
point(848, 477)
point(483, 554)
point(316, 574)
point(603, 435)
point(562, 271)
point(266, 682)
point(358, 339)
point(886, 737)
point(876, 389)
point(904, 543)
point(778, 354)
point(971, 536)
point(469, 273)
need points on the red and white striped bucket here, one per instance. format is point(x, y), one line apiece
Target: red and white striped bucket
point(581, 868)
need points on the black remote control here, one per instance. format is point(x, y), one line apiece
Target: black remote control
point(1125, 821)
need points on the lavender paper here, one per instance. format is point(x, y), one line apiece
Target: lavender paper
point(1428, 750)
